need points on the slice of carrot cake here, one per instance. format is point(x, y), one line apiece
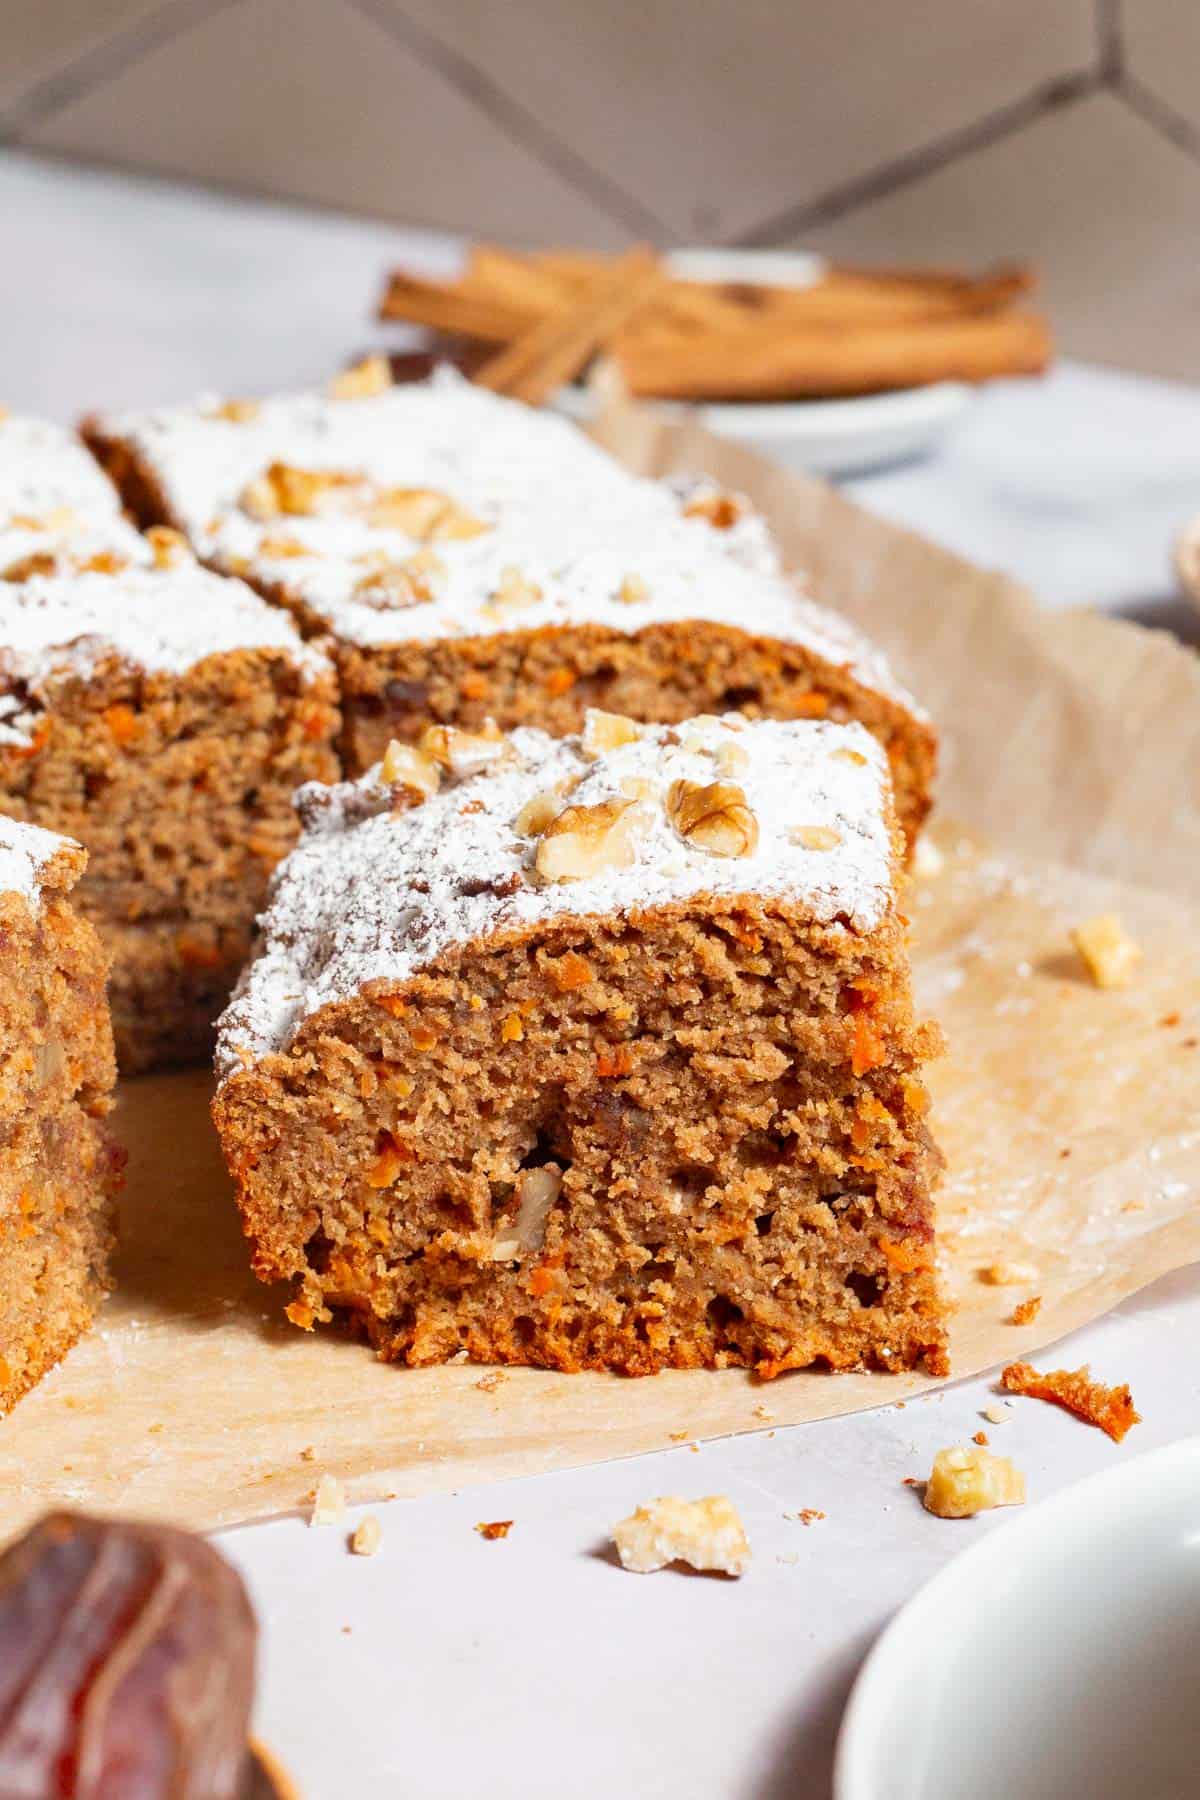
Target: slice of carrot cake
point(474, 559)
point(58, 1171)
point(163, 715)
point(603, 1056)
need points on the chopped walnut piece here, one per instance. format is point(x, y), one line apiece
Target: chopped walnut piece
point(1026, 1311)
point(367, 1537)
point(706, 1534)
point(966, 1480)
point(514, 591)
point(537, 813)
point(456, 524)
point(391, 587)
point(536, 1192)
point(282, 549)
point(1111, 1408)
point(714, 817)
point(731, 759)
point(816, 837)
point(720, 509)
point(607, 731)
point(38, 562)
point(588, 840)
point(301, 493)
point(373, 375)
point(632, 590)
point(464, 752)
point(996, 1415)
point(494, 1529)
point(1008, 1274)
point(404, 765)
point(170, 548)
point(238, 412)
point(1109, 955)
point(329, 1502)
point(414, 511)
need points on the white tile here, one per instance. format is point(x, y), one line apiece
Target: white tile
point(1107, 210)
point(312, 99)
point(44, 39)
point(1162, 51)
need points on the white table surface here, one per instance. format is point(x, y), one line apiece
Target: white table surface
point(446, 1665)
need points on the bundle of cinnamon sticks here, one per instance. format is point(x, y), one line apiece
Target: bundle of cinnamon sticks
point(524, 324)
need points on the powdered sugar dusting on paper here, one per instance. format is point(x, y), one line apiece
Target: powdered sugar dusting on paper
point(160, 620)
point(24, 852)
point(581, 532)
point(382, 896)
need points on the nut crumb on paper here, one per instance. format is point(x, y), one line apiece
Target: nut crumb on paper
point(1008, 1274)
point(1026, 1311)
point(706, 1534)
point(765, 1414)
point(367, 1536)
point(494, 1529)
point(1111, 1408)
point(995, 1415)
point(329, 1502)
point(1109, 954)
point(965, 1480)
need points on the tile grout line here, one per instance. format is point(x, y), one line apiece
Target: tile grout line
point(836, 202)
point(513, 119)
point(1159, 115)
point(1110, 41)
point(90, 70)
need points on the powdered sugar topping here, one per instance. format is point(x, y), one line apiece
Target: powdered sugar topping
point(372, 895)
point(46, 474)
point(566, 535)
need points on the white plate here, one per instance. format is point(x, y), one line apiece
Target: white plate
point(832, 437)
point(1057, 1659)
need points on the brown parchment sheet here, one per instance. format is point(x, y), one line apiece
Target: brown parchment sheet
point(1068, 1115)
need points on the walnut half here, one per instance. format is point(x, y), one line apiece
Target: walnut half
point(714, 816)
point(588, 840)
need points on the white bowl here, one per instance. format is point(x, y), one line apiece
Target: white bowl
point(1057, 1659)
point(831, 437)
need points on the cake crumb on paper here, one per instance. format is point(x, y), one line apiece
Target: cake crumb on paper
point(808, 1515)
point(367, 1536)
point(965, 1481)
point(1111, 1408)
point(1026, 1311)
point(980, 1437)
point(487, 1384)
point(494, 1529)
point(329, 1502)
point(706, 1534)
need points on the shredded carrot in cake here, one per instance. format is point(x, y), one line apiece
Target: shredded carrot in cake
point(868, 1051)
point(1111, 1408)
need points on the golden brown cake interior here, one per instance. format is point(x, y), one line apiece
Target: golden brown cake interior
point(694, 1137)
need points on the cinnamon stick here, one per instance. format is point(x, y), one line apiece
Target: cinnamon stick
point(794, 362)
point(453, 308)
point(555, 349)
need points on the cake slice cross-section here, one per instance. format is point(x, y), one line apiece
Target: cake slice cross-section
point(473, 559)
point(603, 1056)
point(59, 1172)
point(163, 716)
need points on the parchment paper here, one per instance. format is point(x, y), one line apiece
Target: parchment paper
point(1069, 1115)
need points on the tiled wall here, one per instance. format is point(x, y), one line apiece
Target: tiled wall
point(1064, 130)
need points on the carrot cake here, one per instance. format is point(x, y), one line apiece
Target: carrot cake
point(56, 507)
point(163, 715)
point(603, 1057)
point(474, 559)
point(58, 1171)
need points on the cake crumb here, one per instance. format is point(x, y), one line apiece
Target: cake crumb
point(995, 1415)
point(1026, 1311)
point(494, 1529)
point(706, 1534)
point(765, 1414)
point(367, 1536)
point(1111, 1408)
point(307, 1454)
point(980, 1437)
point(329, 1502)
point(1109, 954)
point(679, 1437)
point(1008, 1274)
point(808, 1515)
point(487, 1384)
point(966, 1481)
